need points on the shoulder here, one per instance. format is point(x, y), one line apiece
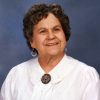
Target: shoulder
point(24, 65)
point(84, 70)
point(20, 70)
point(17, 76)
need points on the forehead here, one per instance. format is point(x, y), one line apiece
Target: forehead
point(50, 21)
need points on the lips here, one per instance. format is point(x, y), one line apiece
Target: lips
point(52, 44)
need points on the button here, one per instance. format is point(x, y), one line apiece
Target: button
point(46, 78)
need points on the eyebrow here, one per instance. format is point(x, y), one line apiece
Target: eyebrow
point(58, 26)
point(51, 28)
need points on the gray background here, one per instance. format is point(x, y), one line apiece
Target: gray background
point(84, 43)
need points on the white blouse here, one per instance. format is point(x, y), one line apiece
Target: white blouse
point(70, 80)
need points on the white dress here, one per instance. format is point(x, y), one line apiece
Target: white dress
point(70, 80)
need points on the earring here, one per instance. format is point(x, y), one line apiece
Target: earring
point(66, 50)
point(33, 53)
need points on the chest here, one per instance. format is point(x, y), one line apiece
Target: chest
point(60, 91)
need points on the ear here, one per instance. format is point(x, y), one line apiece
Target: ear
point(32, 43)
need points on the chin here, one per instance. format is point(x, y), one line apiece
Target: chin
point(54, 53)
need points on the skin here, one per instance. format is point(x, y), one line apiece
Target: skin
point(49, 40)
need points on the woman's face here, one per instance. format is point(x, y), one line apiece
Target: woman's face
point(48, 37)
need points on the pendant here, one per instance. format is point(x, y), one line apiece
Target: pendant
point(46, 78)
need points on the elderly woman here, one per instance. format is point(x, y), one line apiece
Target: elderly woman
point(52, 75)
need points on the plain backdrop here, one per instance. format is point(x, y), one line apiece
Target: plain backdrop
point(83, 45)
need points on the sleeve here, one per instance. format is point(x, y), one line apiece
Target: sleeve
point(92, 90)
point(7, 87)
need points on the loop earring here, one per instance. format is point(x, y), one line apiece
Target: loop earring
point(33, 53)
point(65, 49)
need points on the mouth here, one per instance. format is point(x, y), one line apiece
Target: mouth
point(52, 44)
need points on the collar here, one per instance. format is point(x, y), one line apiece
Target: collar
point(58, 73)
point(61, 70)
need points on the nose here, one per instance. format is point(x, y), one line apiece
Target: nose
point(51, 35)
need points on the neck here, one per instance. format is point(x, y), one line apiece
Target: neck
point(49, 62)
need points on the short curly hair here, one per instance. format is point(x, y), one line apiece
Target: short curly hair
point(39, 11)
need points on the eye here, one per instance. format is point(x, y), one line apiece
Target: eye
point(42, 31)
point(57, 29)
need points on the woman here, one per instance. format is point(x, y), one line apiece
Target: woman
point(52, 75)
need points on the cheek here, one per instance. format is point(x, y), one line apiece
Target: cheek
point(62, 37)
point(63, 40)
point(38, 42)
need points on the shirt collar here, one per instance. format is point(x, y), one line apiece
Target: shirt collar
point(58, 73)
point(61, 70)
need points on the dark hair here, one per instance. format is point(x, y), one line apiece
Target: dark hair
point(39, 11)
